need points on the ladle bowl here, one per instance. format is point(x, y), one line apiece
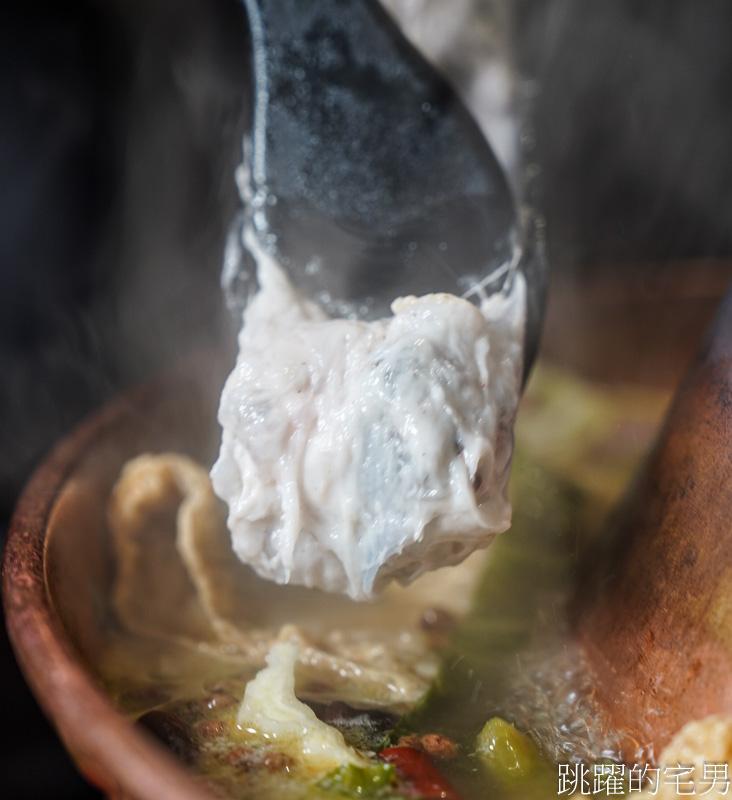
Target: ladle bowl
point(365, 175)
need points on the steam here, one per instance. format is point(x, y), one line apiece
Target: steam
point(630, 130)
point(162, 127)
point(633, 125)
point(189, 110)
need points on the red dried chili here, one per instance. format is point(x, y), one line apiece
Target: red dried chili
point(420, 776)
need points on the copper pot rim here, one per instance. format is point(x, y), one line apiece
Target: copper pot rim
point(111, 753)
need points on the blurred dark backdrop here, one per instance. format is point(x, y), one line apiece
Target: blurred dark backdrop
point(61, 67)
point(120, 127)
point(632, 123)
point(119, 130)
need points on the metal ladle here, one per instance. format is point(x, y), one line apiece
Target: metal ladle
point(366, 176)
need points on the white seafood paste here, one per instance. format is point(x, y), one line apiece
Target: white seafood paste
point(357, 452)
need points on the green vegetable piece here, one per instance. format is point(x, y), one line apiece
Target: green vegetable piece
point(527, 569)
point(508, 753)
point(353, 781)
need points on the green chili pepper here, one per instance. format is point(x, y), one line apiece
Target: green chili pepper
point(354, 781)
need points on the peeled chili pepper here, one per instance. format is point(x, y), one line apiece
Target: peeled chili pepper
point(420, 775)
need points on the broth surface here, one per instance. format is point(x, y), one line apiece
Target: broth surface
point(482, 640)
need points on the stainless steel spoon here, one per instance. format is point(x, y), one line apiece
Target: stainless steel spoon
point(367, 177)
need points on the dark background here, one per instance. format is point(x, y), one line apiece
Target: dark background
point(119, 130)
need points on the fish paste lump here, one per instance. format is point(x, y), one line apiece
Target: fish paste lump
point(357, 452)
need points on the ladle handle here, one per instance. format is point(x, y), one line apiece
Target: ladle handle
point(656, 607)
point(351, 120)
